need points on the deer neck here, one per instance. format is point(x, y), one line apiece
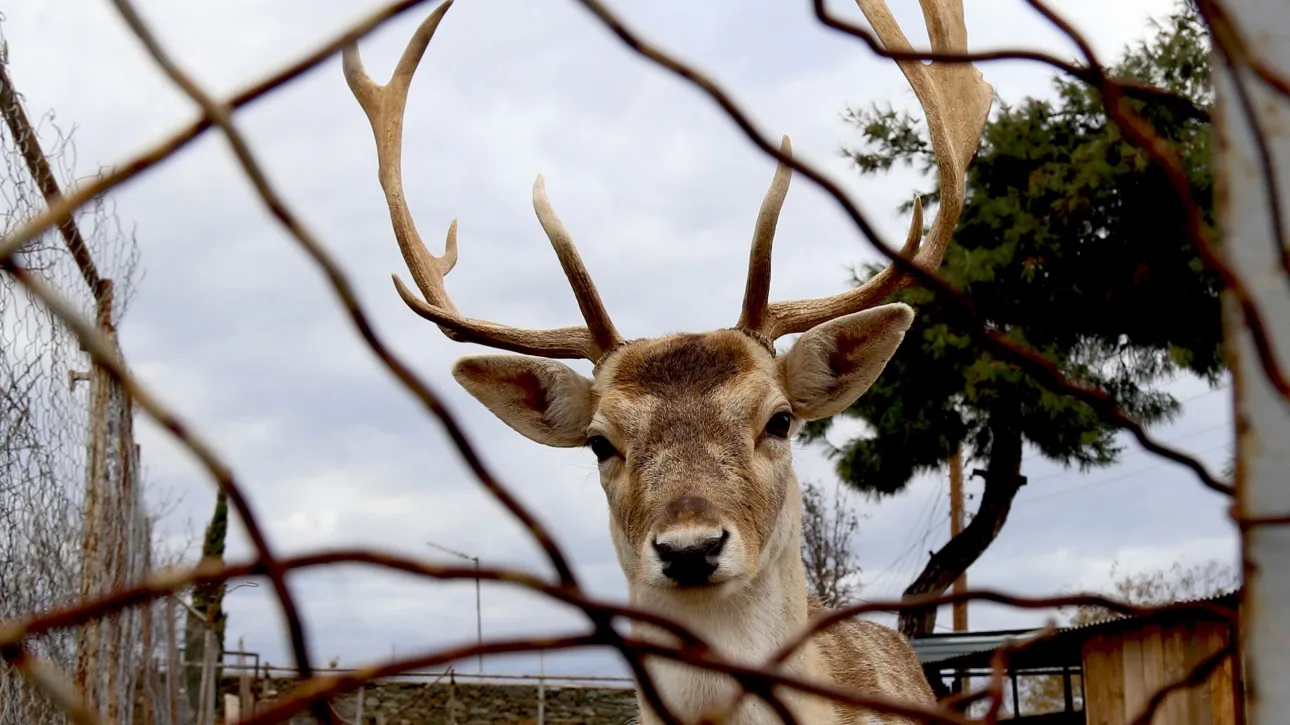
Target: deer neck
point(747, 627)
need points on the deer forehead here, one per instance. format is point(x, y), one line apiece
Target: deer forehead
point(687, 408)
point(699, 387)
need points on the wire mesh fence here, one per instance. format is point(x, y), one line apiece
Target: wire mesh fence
point(114, 612)
point(72, 524)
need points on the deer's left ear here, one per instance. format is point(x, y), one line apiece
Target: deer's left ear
point(833, 364)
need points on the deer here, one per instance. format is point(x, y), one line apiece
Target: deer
point(691, 432)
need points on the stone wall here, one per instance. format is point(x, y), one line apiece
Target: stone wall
point(419, 703)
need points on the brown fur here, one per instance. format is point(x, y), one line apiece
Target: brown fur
point(692, 461)
point(688, 403)
point(871, 658)
point(705, 506)
point(687, 364)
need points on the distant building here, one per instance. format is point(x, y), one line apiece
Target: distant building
point(1107, 671)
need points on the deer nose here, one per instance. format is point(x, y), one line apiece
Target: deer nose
point(693, 564)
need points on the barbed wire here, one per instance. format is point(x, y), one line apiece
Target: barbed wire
point(38, 619)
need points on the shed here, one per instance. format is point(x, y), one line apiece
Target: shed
point(1109, 670)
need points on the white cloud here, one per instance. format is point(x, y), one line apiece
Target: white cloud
point(235, 327)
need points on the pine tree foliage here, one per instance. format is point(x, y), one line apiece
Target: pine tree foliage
point(1071, 242)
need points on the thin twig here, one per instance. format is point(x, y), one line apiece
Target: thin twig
point(323, 687)
point(760, 681)
point(220, 116)
point(82, 194)
point(1162, 154)
point(999, 667)
point(1022, 355)
point(1230, 39)
point(1237, 57)
point(212, 572)
point(49, 681)
point(101, 351)
point(1133, 88)
point(1197, 676)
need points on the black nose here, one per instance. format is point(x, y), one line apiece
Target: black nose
point(691, 565)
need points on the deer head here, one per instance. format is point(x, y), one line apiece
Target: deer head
point(692, 431)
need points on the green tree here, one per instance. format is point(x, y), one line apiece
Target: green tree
point(207, 605)
point(1072, 242)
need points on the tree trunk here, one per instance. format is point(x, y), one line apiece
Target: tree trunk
point(1002, 481)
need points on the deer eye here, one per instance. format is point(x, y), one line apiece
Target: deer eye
point(603, 449)
point(779, 424)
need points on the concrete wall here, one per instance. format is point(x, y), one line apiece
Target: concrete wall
point(413, 703)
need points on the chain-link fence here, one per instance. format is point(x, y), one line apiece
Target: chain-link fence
point(72, 521)
point(1253, 264)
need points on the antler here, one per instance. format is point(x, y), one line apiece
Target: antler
point(956, 101)
point(384, 106)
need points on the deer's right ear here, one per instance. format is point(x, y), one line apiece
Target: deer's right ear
point(833, 364)
point(544, 400)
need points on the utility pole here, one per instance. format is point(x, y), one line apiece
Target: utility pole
point(956, 526)
point(479, 620)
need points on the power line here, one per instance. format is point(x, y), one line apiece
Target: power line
point(1100, 482)
point(1140, 451)
point(930, 506)
point(1211, 391)
point(913, 545)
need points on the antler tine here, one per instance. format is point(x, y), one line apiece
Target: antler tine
point(593, 310)
point(384, 107)
point(757, 289)
point(956, 102)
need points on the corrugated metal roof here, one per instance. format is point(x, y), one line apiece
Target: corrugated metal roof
point(1120, 619)
point(937, 647)
point(967, 648)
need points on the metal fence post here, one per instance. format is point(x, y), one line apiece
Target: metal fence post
point(1248, 207)
point(452, 698)
point(541, 718)
point(243, 679)
point(479, 616)
point(174, 670)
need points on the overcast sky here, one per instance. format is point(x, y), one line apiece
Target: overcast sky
point(235, 327)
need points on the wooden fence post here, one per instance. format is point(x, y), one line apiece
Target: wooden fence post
point(89, 645)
